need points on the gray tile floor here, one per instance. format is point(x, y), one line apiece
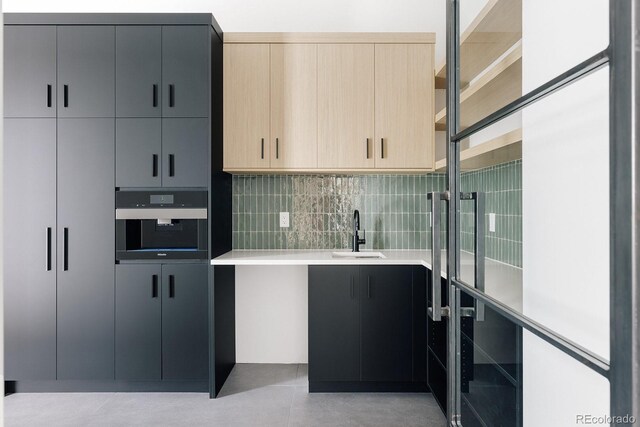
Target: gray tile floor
point(254, 395)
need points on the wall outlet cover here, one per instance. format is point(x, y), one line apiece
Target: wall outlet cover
point(284, 219)
point(492, 222)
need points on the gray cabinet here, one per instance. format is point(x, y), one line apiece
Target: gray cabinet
point(86, 71)
point(29, 248)
point(29, 71)
point(185, 349)
point(334, 324)
point(138, 71)
point(138, 151)
point(86, 248)
point(185, 71)
point(386, 316)
point(138, 316)
point(185, 152)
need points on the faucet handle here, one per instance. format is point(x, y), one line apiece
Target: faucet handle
point(364, 237)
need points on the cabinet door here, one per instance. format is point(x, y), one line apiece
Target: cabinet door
point(404, 106)
point(345, 106)
point(29, 71)
point(387, 323)
point(294, 106)
point(86, 229)
point(185, 338)
point(29, 249)
point(138, 321)
point(185, 152)
point(334, 324)
point(86, 71)
point(138, 152)
point(246, 106)
point(138, 71)
point(185, 71)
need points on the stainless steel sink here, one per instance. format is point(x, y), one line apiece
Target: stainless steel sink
point(362, 254)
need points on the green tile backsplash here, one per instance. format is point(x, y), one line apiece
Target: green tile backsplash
point(393, 210)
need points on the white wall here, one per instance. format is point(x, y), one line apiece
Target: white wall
point(1, 225)
point(565, 209)
point(271, 314)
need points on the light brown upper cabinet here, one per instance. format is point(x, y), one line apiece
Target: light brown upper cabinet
point(294, 106)
point(328, 102)
point(246, 106)
point(345, 106)
point(404, 106)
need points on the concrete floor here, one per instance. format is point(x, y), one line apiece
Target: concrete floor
point(254, 395)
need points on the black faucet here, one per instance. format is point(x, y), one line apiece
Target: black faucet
point(356, 240)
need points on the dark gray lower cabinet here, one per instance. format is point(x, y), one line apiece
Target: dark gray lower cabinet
point(387, 342)
point(161, 322)
point(334, 324)
point(185, 316)
point(86, 249)
point(367, 328)
point(138, 322)
point(29, 248)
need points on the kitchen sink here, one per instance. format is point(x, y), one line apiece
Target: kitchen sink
point(363, 254)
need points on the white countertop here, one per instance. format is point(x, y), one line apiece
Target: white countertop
point(502, 281)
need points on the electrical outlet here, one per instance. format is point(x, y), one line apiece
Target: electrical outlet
point(429, 216)
point(284, 219)
point(492, 222)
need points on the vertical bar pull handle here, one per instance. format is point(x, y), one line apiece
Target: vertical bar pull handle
point(382, 148)
point(65, 90)
point(172, 96)
point(154, 286)
point(262, 148)
point(65, 249)
point(478, 246)
point(368, 286)
point(154, 167)
point(172, 165)
point(47, 260)
point(172, 286)
point(277, 148)
point(154, 96)
point(366, 147)
point(49, 90)
point(352, 288)
point(435, 311)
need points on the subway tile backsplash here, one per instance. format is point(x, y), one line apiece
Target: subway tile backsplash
point(393, 210)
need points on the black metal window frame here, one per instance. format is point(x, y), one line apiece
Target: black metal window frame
point(622, 56)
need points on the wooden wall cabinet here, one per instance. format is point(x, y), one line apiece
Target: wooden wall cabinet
point(361, 102)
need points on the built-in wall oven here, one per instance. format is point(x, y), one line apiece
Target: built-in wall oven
point(161, 225)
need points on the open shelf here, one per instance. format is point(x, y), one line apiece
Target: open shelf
point(499, 85)
point(504, 148)
point(495, 29)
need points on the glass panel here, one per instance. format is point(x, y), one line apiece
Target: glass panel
point(511, 377)
point(546, 217)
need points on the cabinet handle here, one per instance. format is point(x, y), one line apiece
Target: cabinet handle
point(48, 96)
point(48, 249)
point(172, 286)
point(155, 95)
point(66, 95)
point(366, 147)
point(382, 148)
point(262, 148)
point(277, 149)
point(368, 286)
point(352, 288)
point(65, 250)
point(154, 286)
point(172, 96)
point(154, 168)
point(172, 165)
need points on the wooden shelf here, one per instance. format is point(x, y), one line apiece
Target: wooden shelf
point(498, 86)
point(494, 30)
point(505, 148)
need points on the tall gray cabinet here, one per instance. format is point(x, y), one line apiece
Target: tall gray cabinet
point(94, 102)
